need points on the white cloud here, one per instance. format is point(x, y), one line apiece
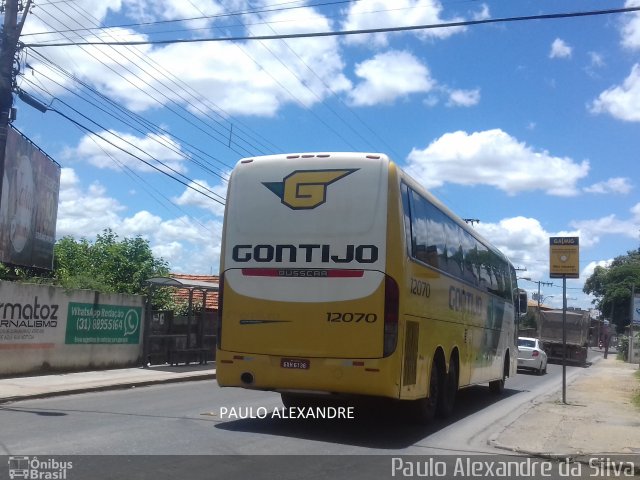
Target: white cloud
point(589, 269)
point(99, 9)
point(399, 13)
point(631, 27)
point(192, 196)
point(79, 209)
point(622, 101)
point(199, 244)
point(560, 49)
point(522, 239)
point(389, 76)
point(596, 60)
point(239, 78)
point(145, 11)
point(464, 98)
point(526, 244)
point(188, 245)
point(621, 185)
point(495, 158)
point(594, 229)
point(108, 151)
point(142, 223)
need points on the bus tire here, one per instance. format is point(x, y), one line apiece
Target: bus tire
point(447, 398)
point(291, 400)
point(426, 408)
point(497, 386)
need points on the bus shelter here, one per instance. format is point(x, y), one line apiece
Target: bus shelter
point(173, 339)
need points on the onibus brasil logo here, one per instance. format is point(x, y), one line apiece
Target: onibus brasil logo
point(306, 189)
point(34, 468)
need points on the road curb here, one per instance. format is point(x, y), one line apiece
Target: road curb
point(103, 388)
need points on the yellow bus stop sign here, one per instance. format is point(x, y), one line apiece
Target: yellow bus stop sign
point(564, 257)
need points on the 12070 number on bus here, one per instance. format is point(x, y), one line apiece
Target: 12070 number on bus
point(349, 317)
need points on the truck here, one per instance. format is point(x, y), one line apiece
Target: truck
point(577, 339)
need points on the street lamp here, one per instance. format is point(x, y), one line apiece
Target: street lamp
point(542, 298)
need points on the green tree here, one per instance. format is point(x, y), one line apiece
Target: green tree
point(108, 265)
point(612, 287)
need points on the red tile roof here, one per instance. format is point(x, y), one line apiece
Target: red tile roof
point(182, 294)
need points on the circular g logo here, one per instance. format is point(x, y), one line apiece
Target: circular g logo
point(306, 189)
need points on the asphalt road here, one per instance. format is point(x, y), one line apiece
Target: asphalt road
point(161, 424)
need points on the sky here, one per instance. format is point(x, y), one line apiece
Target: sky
point(530, 127)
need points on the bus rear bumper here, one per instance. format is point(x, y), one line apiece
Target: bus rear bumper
point(370, 377)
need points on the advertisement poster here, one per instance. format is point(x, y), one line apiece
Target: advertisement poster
point(29, 204)
point(106, 324)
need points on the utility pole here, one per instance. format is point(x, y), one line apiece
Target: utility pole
point(10, 34)
point(539, 282)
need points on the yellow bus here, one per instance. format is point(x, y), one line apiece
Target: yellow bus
point(340, 275)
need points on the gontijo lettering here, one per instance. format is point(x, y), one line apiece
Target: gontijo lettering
point(305, 252)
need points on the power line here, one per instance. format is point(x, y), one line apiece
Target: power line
point(328, 87)
point(202, 17)
point(169, 104)
point(466, 23)
point(155, 167)
point(227, 135)
point(232, 136)
point(164, 143)
point(123, 166)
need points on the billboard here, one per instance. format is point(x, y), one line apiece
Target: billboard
point(29, 204)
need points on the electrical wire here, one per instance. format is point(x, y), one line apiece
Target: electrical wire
point(200, 18)
point(465, 23)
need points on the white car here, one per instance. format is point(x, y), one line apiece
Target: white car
point(531, 355)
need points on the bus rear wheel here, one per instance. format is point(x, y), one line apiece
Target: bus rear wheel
point(497, 386)
point(292, 400)
point(447, 398)
point(426, 408)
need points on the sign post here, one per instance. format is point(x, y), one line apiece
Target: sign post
point(564, 262)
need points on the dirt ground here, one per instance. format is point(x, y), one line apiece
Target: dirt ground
point(599, 417)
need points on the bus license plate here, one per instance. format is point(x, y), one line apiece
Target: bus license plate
point(297, 363)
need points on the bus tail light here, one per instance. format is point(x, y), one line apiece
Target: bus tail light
point(220, 297)
point(391, 313)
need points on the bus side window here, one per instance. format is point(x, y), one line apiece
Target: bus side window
point(470, 258)
point(428, 232)
point(419, 230)
point(406, 209)
point(454, 248)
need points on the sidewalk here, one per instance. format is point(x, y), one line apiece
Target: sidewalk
point(38, 386)
point(598, 418)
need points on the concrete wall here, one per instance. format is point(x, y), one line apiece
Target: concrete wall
point(46, 328)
